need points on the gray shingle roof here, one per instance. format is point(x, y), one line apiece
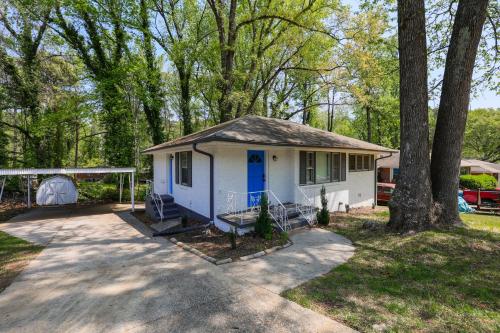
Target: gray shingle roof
point(271, 131)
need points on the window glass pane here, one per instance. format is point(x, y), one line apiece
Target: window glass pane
point(184, 172)
point(366, 162)
point(184, 159)
point(322, 167)
point(352, 162)
point(310, 168)
point(359, 162)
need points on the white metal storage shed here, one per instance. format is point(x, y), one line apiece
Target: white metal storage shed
point(4, 173)
point(57, 190)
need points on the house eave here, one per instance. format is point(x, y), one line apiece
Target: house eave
point(153, 150)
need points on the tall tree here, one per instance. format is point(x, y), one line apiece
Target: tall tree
point(270, 20)
point(101, 42)
point(151, 93)
point(453, 107)
point(411, 202)
point(482, 135)
point(181, 27)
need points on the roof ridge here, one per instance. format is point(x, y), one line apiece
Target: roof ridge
point(315, 129)
point(268, 130)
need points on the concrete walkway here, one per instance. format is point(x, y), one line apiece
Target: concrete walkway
point(314, 252)
point(101, 274)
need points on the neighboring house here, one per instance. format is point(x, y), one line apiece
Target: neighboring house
point(388, 168)
point(478, 167)
point(220, 173)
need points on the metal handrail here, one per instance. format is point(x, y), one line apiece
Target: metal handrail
point(237, 204)
point(307, 210)
point(282, 214)
point(157, 200)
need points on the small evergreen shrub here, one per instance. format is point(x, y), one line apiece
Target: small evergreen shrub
point(474, 182)
point(283, 238)
point(323, 216)
point(263, 225)
point(232, 239)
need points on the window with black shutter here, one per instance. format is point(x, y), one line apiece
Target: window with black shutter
point(318, 167)
point(342, 167)
point(184, 168)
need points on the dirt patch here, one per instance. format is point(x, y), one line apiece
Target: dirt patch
point(216, 244)
point(11, 208)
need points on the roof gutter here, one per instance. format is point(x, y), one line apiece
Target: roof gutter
point(376, 174)
point(211, 157)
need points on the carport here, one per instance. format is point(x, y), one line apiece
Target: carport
point(28, 173)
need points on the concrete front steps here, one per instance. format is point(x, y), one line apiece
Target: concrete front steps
point(295, 219)
point(170, 208)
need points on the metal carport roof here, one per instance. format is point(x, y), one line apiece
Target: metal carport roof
point(63, 171)
point(69, 171)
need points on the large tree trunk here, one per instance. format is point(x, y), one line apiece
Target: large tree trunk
point(412, 200)
point(117, 120)
point(368, 123)
point(453, 106)
point(77, 141)
point(227, 53)
point(152, 101)
point(184, 79)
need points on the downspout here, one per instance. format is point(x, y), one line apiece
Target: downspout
point(211, 157)
point(376, 175)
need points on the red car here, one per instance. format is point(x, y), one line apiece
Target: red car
point(384, 192)
point(490, 198)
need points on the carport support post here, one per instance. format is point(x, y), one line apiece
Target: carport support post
point(29, 192)
point(121, 186)
point(1, 189)
point(132, 191)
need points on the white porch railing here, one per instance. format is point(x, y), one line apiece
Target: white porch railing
point(305, 206)
point(245, 204)
point(157, 200)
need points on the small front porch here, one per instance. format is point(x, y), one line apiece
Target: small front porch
point(287, 216)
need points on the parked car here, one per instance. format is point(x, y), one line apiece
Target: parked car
point(384, 192)
point(489, 198)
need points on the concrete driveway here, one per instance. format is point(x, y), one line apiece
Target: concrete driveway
point(100, 274)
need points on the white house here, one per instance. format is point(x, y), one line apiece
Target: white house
point(220, 173)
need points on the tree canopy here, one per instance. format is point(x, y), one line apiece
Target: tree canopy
point(93, 82)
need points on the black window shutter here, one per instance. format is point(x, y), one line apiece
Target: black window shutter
point(372, 162)
point(190, 167)
point(302, 169)
point(342, 167)
point(314, 166)
point(177, 166)
point(332, 168)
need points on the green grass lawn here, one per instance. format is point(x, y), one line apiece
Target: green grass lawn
point(482, 222)
point(434, 281)
point(15, 254)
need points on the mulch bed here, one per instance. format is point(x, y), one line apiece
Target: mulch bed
point(216, 244)
point(144, 218)
point(10, 208)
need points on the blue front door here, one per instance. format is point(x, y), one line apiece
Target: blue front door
point(256, 176)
